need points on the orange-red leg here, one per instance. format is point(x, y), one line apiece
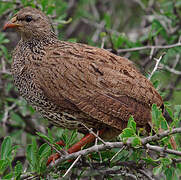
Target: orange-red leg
point(76, 147)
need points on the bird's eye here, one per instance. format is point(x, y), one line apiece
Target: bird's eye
point(28, 18)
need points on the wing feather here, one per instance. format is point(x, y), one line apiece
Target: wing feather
point(105, 86)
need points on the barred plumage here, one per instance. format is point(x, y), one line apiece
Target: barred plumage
point(72, 83)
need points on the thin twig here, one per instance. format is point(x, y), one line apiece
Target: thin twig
point(72, 166)
point(92, 132)
point(103, 42)
point(6, 112)
point(4, 70)
point(96, 141)
point(62, 152)
point(148, 47)
point(145, 174)
point(156, 65)
point(172, 70)
point(163, 150)
point(117, 153)
point(176, 61)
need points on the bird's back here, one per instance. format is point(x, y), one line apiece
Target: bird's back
point(86, 84)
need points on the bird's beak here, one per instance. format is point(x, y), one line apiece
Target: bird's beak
point(11, 24)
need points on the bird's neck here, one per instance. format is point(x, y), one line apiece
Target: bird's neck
point(30, 50)
point(39, 40)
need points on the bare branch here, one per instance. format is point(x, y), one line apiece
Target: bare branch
point(110, 145)
point(145, 174)
point(172, 70)
point(156, 65)
point(72, 166)
point(92, 132)
point(163, 150)
point(148, 47)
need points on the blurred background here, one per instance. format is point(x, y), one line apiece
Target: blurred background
point(141, 30)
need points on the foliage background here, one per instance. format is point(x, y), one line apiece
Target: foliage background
point(114, 25)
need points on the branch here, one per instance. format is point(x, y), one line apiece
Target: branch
point(156, 65)
point(172, 70)
point(148, 47)
point(110, 145)
point(72, 166)
point(162, 150)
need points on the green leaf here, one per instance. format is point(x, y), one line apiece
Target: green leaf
point(8, 176)
point(3, 165)
point(136, 142)
point(157, 117)
point(44, 152)
point(43, 149)
point(177, 111)
point(45, 137)
point(15, 117)
point(5, 147)
point(107, 19)
point(151, 161)
point(132, 124)
point(18, 170)
point(170, 112)
point(164, 124)
point(31, 153)
point(165, 161)
point(157, 170)
point(127, 132)
point(169, 172)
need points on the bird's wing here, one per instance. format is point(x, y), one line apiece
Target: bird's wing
point(99, 83)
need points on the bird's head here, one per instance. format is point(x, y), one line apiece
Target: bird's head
point(30, 23)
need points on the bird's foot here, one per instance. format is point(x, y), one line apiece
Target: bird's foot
point(52, 158)
point(55, 156)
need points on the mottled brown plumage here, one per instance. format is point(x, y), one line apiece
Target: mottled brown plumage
point(71, 83)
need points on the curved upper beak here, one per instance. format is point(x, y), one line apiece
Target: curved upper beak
point(11, 24)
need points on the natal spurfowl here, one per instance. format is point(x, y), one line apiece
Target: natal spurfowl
point(72, 83)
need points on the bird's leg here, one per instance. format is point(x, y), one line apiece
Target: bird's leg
point(53, 157)
point(89, 138)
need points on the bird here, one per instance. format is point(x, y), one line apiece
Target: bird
point(77, 86)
